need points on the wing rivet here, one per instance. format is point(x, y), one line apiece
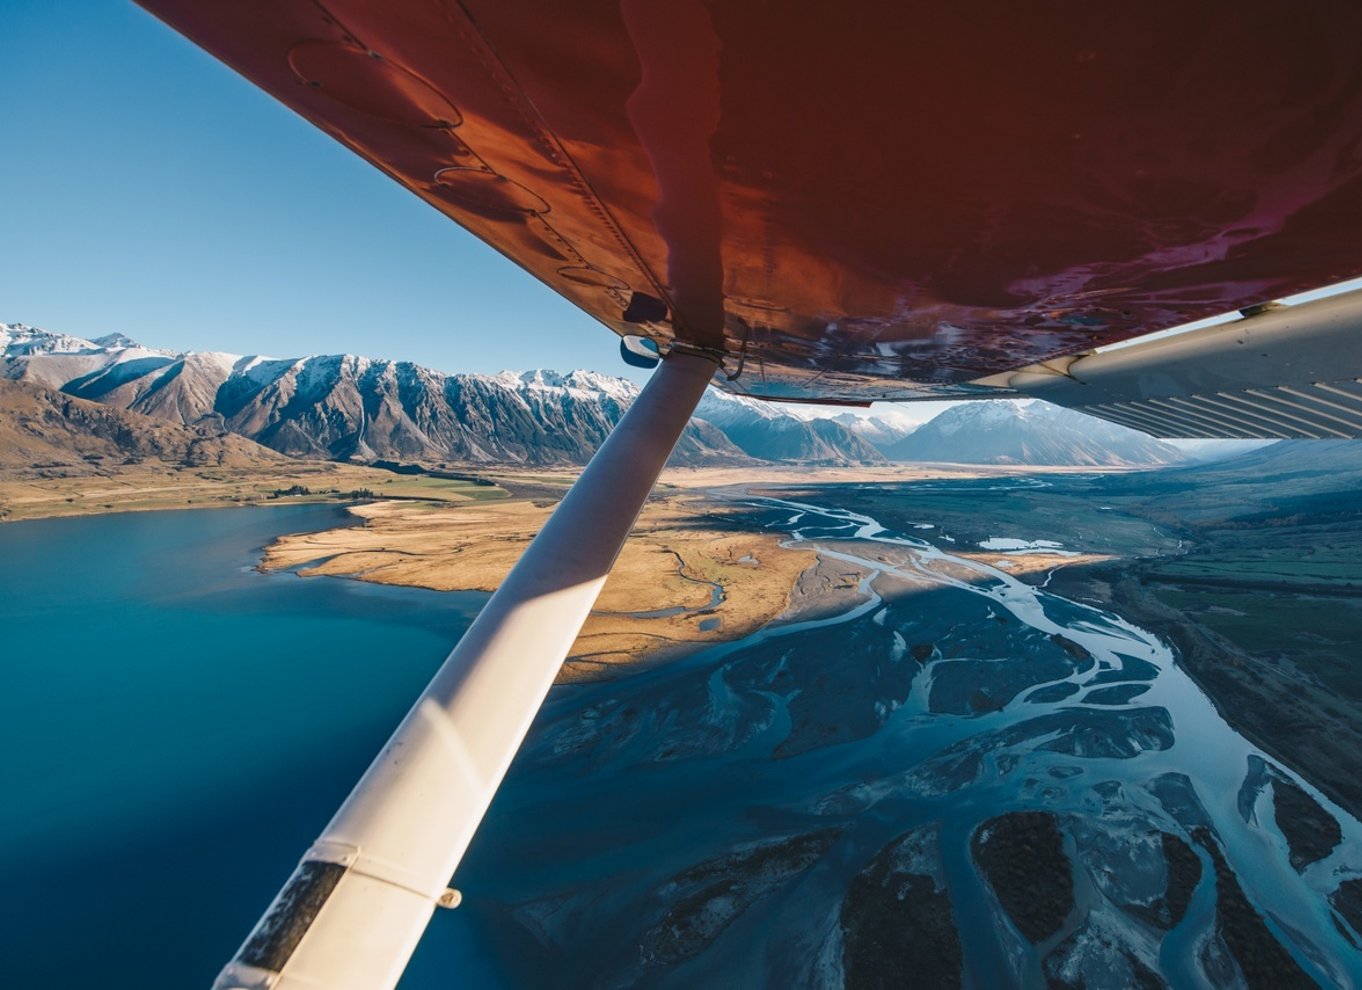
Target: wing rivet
point(451, 898)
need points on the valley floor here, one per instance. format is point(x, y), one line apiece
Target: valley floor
point(156, 485)
point(694, 573)
point(1266, 619)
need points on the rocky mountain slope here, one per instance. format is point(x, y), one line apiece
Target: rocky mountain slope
point(879, 431)
point(1028, 433)
point(352, 408)
point(47, 433)
point(1314, 478)
point(348, 407)
point(1328, 464)
point(771, 432)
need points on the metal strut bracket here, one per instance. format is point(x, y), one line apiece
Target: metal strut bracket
point(390, 850)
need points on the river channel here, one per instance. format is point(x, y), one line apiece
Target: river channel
point(701, 824)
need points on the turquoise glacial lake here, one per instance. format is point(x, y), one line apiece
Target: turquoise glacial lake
point(177, 728)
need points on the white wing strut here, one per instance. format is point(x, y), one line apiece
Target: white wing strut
point(353, 911)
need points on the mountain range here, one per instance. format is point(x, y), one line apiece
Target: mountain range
point(349, 407)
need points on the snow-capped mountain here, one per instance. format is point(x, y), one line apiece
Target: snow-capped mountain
point(53, 359)
point(20, 339)
point(1028, 432)
point(348, 407)
point(579, 384)
point(880, 431)
point(343, 406)
point(773, 432)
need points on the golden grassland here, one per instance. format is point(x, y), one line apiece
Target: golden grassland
point(672, 561)
point(1033, 561)
point(680, 548)
point(157, 486)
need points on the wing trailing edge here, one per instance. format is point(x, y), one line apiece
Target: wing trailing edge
point(1280, 371)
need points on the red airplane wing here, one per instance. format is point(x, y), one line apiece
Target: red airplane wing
point(853, 203)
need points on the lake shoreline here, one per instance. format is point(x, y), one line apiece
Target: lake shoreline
point(691, 576)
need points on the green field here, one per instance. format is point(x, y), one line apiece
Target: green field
point(438, 489)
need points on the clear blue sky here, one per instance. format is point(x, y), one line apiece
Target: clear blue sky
point(146, 188)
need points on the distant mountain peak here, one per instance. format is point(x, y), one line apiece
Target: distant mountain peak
point(115, 340)
point(986, 415)
point(772, 431)
point(1002, 431)
point(20, 339)
point(881, 431)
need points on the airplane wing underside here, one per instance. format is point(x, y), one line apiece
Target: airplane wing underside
point(896, 202)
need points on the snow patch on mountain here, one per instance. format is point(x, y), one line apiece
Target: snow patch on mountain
point(880, 430)
point(580, 383)
point(1028, 432)
point(725, 409)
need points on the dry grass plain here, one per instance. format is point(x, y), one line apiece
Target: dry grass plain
point(144, 487)
point(672, 563)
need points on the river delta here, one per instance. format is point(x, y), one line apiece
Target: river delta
point(951, 771)
point(962, 776)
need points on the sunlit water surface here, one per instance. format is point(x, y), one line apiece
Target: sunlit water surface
point(177, 728)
